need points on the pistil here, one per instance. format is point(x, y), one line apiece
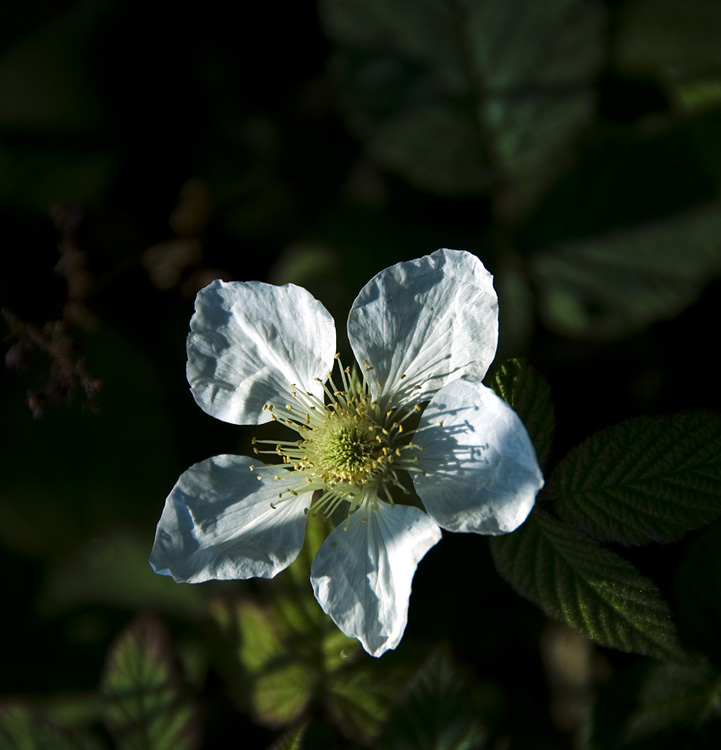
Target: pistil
point(349, 447)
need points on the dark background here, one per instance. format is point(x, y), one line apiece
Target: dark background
point(147, 148)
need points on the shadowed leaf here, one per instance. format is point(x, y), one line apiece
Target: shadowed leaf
point(145, 708)
point(611, 285)
point(673, 697)
point(525, 389)
point(460, 96)
point(20, 730)
point(292, 739)
point(573, 579)
point(644, 480)
point(437, 711)
point(283, 651)
point(676, 43)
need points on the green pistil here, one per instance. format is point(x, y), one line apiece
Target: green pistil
point(343, 449)
point(350, 447)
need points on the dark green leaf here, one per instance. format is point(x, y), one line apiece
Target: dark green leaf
point(652, 706)
point(456, 96)
point(113, 569)
point(20, 730)
point(611, 285)
point(282, 651)
point(266, 678)
point(676, 43)
point(644, 480)
point(436, 713)
point(145, 708)
point(292, 739)
point(359, 697)
point(525, 389)
point(674, 697)
point(574, 579)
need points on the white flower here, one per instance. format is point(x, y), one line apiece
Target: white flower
point(424, 332)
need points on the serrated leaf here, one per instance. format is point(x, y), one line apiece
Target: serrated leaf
point(616, 284)
point(437, 711)
point(20, 730)
point(145, 708)
point(573, 579)
point(644, 480)
point(678, 44)
point(455, 96)
point(525, 389)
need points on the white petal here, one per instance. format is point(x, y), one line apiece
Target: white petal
point(250, 341)
point(432, 320)
point(362, 574)
point(218, 522)
point(483, 475)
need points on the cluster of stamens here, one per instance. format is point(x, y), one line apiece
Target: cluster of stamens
point(350, 447)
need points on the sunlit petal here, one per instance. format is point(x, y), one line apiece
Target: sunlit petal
point(482, 472)
point(426, 322)
point(250, 341)
point(362, 574)
point(218, 522)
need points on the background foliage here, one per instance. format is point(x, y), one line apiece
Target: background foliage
point(573, 145)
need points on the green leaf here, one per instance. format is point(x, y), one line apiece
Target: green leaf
point(525, 389)
point(612, 285)
point(457, 97)
point(644, 480)
point(360, 696)
point(675, 696)
point(21, 730)
point(272, 683)
point(573, 579)
point(676, 43)
point(652, 706)
point(292, 739)
point(145, 708)
point(437, 712)
point(113, 569)
point(282, 651)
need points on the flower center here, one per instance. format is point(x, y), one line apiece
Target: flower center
point(351, 447)
point(343, 449)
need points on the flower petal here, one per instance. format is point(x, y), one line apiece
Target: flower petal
point(423, 323)
point(250, 341)
point(482, 472)
point(362, 574)
point(218, 522)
